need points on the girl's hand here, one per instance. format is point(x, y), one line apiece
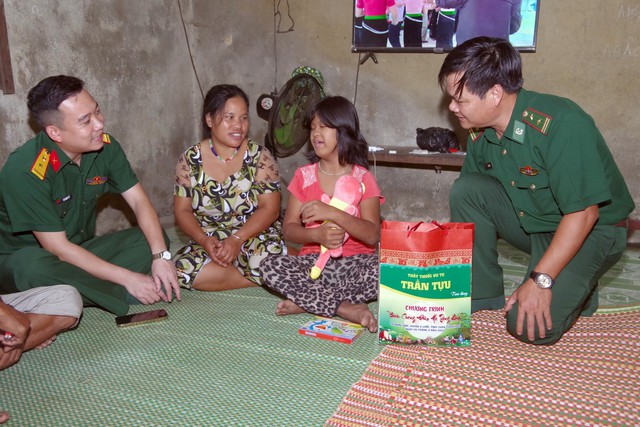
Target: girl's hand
point(330, 235)
point(315, 211)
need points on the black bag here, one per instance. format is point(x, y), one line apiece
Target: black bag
point(437, 139)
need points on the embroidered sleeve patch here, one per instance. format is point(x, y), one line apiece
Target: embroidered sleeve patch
point(537, 120)
point(39, 167)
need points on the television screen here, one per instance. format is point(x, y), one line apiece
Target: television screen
point(419, 26)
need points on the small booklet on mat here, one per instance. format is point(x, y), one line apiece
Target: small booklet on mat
point(331, 329)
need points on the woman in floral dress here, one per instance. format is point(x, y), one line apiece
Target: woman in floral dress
point(226, 199)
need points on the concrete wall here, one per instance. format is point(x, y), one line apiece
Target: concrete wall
point(134, 57)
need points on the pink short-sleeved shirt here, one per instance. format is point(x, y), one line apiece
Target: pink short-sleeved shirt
point(374, 7)
point(305, 187)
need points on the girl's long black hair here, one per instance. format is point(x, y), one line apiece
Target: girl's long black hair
point(340, 114)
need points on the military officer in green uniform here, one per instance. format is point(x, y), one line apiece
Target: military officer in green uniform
point(538, 174)
point(49, 188)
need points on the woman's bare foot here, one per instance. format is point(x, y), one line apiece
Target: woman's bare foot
point(4, 416)
point(47, 343)
point(358, 313)
point(287, 307)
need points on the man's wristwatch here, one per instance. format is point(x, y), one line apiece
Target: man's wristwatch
point(543, 280)
point(166, 255)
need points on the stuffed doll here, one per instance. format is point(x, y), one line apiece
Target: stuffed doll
point(347, 194)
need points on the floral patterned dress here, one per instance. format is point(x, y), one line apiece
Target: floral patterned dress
point(221, 208)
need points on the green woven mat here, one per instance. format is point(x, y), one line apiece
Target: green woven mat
point(619, 288)
point(222, 359)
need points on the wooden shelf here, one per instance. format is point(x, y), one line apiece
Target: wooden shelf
point(412, 157)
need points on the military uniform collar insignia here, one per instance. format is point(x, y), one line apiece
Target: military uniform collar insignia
point(475, 134)
point(519, 131)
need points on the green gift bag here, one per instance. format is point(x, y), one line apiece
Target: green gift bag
point(425, 283)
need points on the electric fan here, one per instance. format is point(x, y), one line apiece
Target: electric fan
point(287, 110)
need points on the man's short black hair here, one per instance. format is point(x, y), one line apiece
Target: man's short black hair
point(44, 98)
point(482, 63)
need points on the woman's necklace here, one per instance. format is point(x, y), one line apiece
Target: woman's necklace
point(228, 159)
point(347, 170)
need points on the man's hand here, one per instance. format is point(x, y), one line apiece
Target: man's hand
point(534, 306)
point(144, 288)
point(164, 276)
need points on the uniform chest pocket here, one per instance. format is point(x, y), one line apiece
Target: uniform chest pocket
point(538, 192)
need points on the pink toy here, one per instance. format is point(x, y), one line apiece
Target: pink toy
point(347, 194)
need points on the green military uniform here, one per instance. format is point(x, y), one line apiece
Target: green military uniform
point(551, 161)
point(41, 189)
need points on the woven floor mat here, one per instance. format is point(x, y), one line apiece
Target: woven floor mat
point(221, 359)
point(589, 378)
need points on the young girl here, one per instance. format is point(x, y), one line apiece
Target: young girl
point(349, 282)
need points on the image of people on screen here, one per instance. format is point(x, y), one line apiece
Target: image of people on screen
point(441, 24)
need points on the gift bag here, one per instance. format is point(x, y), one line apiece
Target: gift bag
point(425, 283)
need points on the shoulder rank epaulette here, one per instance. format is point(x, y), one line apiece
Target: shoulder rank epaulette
point(475, 134)
point(106, 138)
point(39, 167)
point(537, 120)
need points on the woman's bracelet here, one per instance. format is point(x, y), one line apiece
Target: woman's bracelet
point(236, 237)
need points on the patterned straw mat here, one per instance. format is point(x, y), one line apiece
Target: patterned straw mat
point(589, 378)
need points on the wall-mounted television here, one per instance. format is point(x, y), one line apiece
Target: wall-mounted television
point(413, 26)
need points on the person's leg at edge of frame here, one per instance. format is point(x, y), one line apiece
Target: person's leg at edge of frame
point(574, 293)
point(481, 200)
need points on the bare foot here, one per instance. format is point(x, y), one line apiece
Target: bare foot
point(287, 307)
point(358, 313)
point(47, 343)
point(4, 416)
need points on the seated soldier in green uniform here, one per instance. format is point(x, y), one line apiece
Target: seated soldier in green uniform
point(49, 189)
point(538, 174)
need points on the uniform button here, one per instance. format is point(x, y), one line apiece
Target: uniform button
point(504, 152)
point(513, 183)
point(521, 214)
point(532, 186)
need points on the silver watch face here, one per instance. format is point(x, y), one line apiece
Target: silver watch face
point(163, 255)
point(543, 280)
